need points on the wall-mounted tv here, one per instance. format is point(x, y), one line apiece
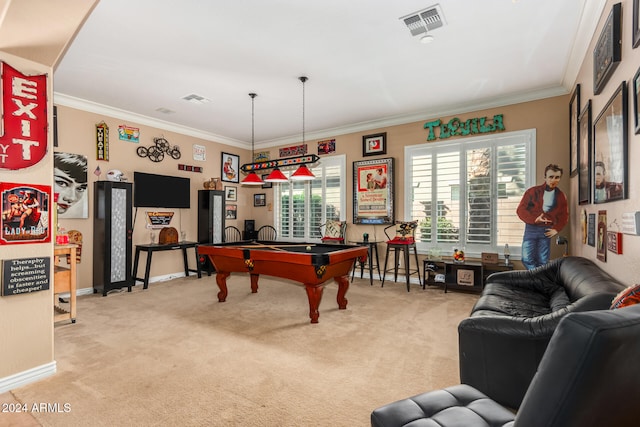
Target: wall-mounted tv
point(161, 191)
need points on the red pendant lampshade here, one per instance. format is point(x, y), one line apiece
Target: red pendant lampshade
point(276, 176)
point(302, 174)
point(252, 179)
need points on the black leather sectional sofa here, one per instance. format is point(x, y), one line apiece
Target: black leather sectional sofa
point(502, 342)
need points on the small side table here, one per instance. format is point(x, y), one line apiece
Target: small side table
point(372, 247)
point(64, 280)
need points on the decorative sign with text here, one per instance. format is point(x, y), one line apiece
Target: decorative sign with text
point(25, 275)
point(456, 127)
point(23, 127)
point(102, 141)
point(297, 150)
point(26, 213)
point(327, 146)
point(158, 219)
point(128, 133)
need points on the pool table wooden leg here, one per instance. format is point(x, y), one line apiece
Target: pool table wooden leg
point(221, 280)
point(254, 283)
point(343, 287)
point(315, 296)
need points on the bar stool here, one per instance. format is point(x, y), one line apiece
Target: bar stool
point(403, 241)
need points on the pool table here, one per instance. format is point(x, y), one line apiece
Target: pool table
point(311, 264)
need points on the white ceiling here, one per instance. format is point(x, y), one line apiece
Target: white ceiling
point(365, 69)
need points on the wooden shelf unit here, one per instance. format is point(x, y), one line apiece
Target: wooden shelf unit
point(64, 280)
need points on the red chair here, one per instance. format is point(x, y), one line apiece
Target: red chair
point(333, 231)
point(403, 241)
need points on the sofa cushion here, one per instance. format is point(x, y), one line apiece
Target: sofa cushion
point(458, 405)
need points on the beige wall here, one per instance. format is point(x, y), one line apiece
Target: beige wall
point(27, 319)
point(626, 266)
point(76, 134)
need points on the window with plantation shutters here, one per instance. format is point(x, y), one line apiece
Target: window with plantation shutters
point(301, 206)
point(464, 193)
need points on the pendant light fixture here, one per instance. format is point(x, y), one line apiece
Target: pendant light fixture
point(303, 173)
point(252, 178)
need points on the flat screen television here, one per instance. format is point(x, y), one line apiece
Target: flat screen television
point(161, 191)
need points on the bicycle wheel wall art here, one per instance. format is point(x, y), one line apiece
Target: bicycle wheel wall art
point(156, 152)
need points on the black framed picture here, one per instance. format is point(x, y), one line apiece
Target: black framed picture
point(607, 53)
point(373, 191)
point(636, 91)
point(635, 31)
point(231, 193)
point(260, 199)
point(230, 167)
point(610, 172)
point(574, 130)
point(231, 211)
point(584, 155)
point(266, 184)
point(375, 144)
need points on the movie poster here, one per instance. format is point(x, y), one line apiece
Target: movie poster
point(26, 213)
point(71, 184)
point(373, 192)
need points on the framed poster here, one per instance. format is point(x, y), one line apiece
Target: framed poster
point(574, 131)
point(231, 211)
point(607, 53)
point(635, 30)
point(636, 90)
point(584, 155)
point(230, 167)
point(70, 184)
point(373, 192)
point(26, 213)
point(230, 193)
point(591, 230)
point(610, 149)
point(372, 145)
point(601, 245)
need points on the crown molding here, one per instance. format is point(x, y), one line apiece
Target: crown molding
point(93, 107)
point(455, 109)
point(366, 126)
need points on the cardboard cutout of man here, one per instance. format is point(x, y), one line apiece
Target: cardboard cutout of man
point(545, 211)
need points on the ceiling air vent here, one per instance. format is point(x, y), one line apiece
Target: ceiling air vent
point(423, 21)
point(196, 99)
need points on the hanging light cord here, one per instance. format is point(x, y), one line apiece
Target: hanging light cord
point(303, 80)
point(253, 96)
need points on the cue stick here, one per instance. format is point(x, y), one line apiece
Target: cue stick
point(271, 246)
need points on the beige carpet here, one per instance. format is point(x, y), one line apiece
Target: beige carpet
point(172, 355)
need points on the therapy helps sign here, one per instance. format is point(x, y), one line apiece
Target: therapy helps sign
point(23, 130)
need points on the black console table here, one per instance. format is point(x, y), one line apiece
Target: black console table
point(151, 248)
point(466, 276)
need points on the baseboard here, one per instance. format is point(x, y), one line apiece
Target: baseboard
point(164, 277)
point(27, 377)
point(79, 292)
